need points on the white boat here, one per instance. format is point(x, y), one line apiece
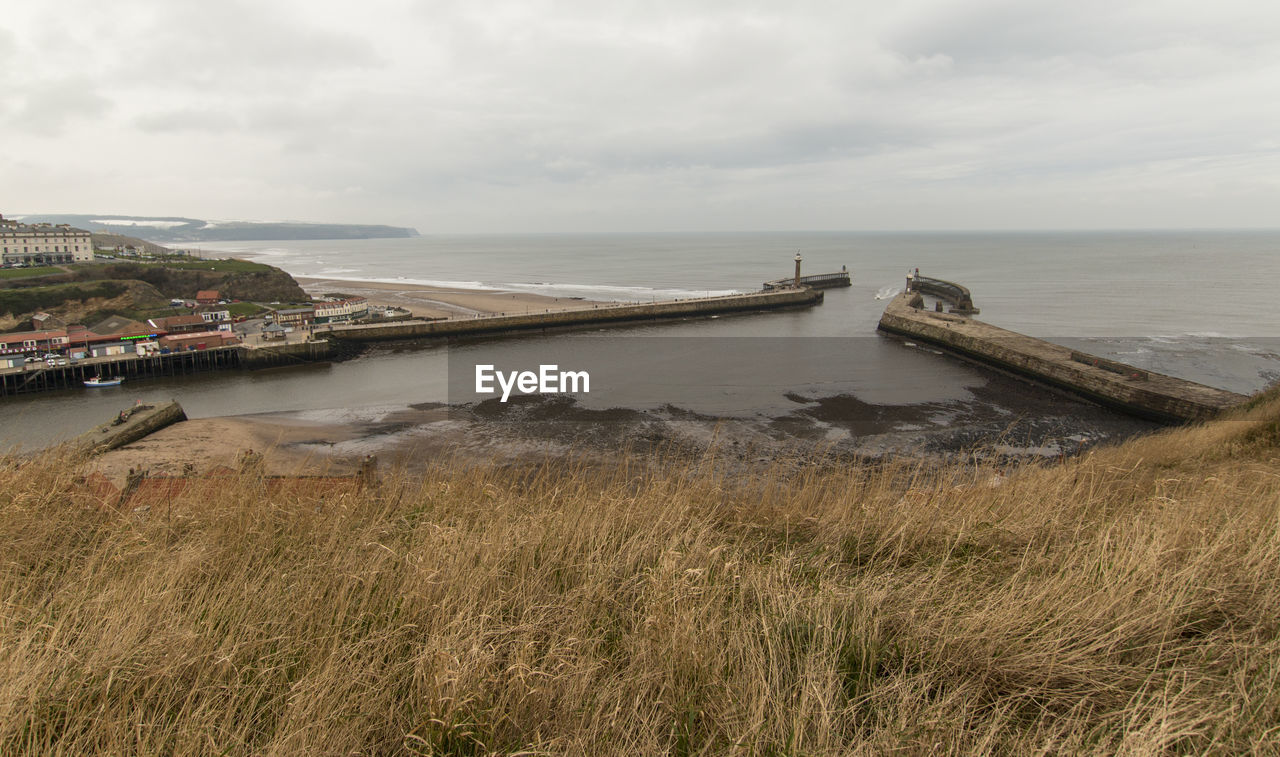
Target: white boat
point(100, 381)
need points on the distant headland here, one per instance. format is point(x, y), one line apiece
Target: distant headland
point(168, 229)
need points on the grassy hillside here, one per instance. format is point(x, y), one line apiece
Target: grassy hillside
point(1122, 601)
point(137, 289)
point(235, 279)
point(77, 303)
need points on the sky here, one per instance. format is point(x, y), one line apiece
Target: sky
point(604, 115)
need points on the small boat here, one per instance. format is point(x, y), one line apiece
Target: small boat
point(100, 381)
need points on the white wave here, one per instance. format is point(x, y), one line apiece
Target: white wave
point(589, 291)
point(615, 293)
point(150, 224)
point(886, 293)
point(270, 252)
point(441, 284)
point(1189, 335)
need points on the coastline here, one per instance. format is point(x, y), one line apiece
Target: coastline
point(441, 302)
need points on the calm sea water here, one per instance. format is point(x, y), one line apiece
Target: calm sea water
point(1200, 305)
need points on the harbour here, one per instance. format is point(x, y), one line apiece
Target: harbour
point(1101, 294)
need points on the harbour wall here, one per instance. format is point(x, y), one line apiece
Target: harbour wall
point(813, 281)
point(954, 294)
point(277, 355)
point(568, 318)
point(1154, 396)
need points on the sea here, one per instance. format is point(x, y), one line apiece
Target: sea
point(1199, 305)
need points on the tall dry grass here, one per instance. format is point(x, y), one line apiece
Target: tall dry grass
point(1122, 601)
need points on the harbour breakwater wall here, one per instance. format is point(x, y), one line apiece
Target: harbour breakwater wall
point(813, 281)
point(494, 324)
point(1154, 396)
point(957, 296)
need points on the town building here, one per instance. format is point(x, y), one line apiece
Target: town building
point(295, 316)
point(34, 342)
point(199, 340)
point(43, 244)
point(112, 336)
point(179, 324)
point(217, 316)
point(207, 297)
point(340, 311)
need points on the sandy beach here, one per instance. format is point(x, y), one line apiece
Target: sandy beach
point(289, 448)
point(441, 302)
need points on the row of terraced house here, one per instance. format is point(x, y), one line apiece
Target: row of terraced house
point(113, 337)
point(42, 243)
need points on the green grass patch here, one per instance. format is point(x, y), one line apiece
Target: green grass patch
point(229, 265)
point(24, 273)
point(245, 308)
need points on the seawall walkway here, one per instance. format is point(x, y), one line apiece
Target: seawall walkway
point(1118, 385)
point(580, 317)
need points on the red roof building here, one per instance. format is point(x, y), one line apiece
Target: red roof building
point(52, 340)
point(179, 324)
point(199, 340)
point(207, 297)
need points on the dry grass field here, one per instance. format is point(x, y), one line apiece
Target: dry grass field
point(1123, 601)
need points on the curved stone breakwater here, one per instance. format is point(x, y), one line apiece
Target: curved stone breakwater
point(1154, 396)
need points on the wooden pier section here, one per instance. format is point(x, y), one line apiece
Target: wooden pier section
point(40, 377)
point(1154, 396)
point(494, 324)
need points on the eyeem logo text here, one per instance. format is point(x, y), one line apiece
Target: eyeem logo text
point(549, 379)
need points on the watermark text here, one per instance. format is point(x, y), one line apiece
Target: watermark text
point(548, 379)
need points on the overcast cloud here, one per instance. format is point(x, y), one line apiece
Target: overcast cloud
point(578, 115)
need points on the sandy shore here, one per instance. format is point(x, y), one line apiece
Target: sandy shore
point(289, 448)
point(441, 302)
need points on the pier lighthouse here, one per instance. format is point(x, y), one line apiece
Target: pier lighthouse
point(797, 284)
